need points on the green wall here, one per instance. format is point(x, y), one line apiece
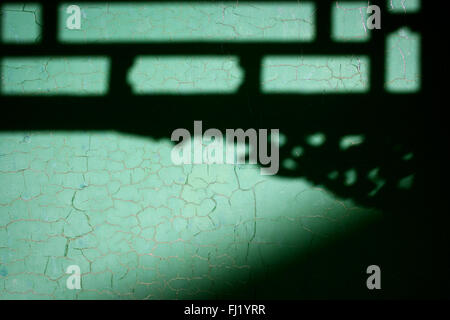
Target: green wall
point(114, 204)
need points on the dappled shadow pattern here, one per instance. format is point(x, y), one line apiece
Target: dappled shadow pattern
point(391, 169)
point(390, 124)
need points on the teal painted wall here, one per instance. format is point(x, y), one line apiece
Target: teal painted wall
point(114, 204)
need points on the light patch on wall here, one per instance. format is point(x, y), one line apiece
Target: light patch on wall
point(315, 74)
point(297, 152)
point(185, 74)
point(404, 6)
point(290, 164)
point(349, 141)
point(351, 176)
point(349, 22)
point(316, 139)
point(406, 182)
point(55, 76)
point(333, 175)
point(282, 139)
point(21, 23)
point(139, 226)
point(378, 181)
point(221, 21)
point(408, 156)
point(403, 61)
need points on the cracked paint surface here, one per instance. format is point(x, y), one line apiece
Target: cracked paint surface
point(48, 76)
point(140, 227)
point(349, 21)
point(224, 21)
point(185, 74)
point(311, 74)
point(21, 23)
point(404, 6)
point(87, 76)
point(403, 67)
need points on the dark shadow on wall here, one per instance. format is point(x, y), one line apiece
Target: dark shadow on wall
point(375, 173)
point(337, 268)
point(400, 142)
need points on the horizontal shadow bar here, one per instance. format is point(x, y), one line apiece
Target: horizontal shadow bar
point(186, 48)
point(190, 98)
point(143, 114)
